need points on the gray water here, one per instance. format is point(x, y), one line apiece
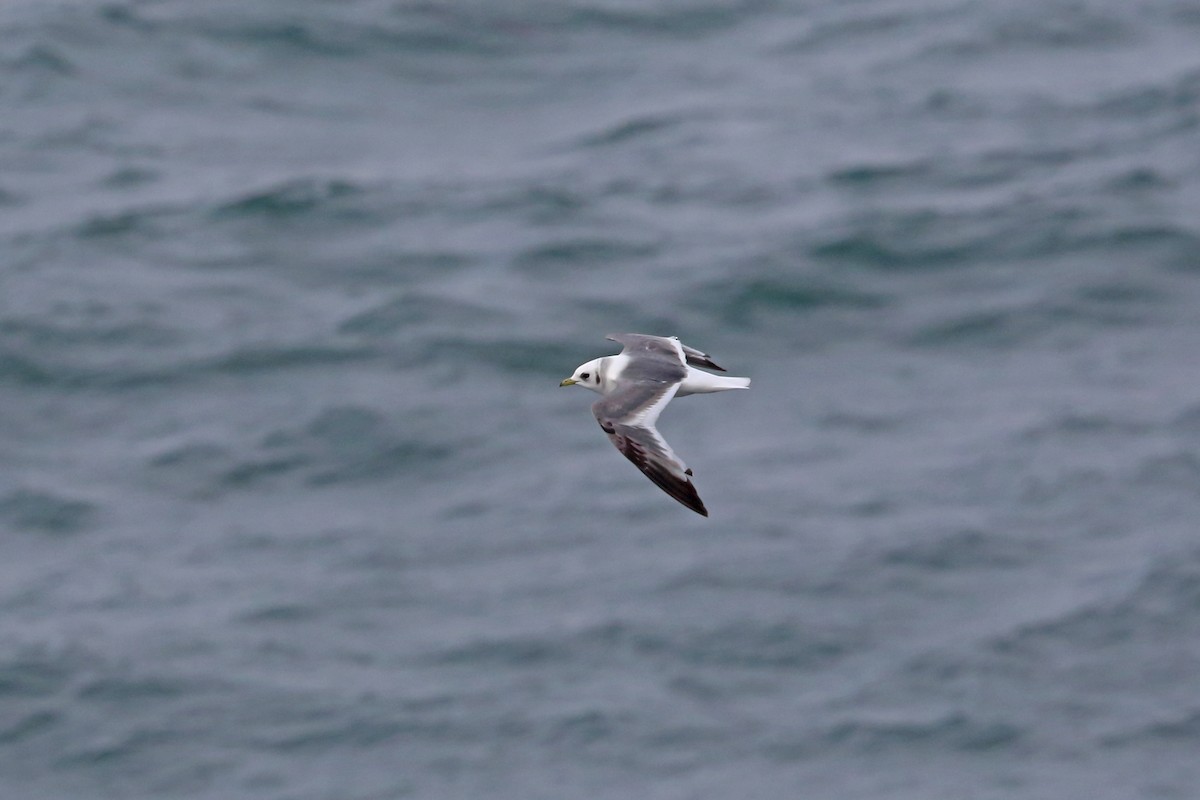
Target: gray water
point(292, 507)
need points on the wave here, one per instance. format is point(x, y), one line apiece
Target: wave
point(1180, 726)
point(41, 511)
point(1178, 95)
point(629, 129)
point(923, 240)
point(952, 730)
point(1082, 312)
point(872, 175)
point(1131, 626)
point(296, 198)
point(312, 201)
point(956, 550)
point(63, 371)
point(340, 445)
point(412, 310)
point(26, 725)
point(40, 58)
point(692, 19)
point(37, 672)
point(539, 356)
point(404, 31)
point(739, 302)
point(748, 644)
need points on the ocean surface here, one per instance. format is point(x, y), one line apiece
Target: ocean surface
point(291, 504)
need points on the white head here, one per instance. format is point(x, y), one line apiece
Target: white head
point(589, 375)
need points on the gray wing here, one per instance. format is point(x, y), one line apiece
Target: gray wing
point(643, 345)
point(628, 416)
point(662, 347)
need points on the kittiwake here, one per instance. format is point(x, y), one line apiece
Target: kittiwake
point(634, 387)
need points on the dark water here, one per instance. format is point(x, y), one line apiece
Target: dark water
point(291, 506)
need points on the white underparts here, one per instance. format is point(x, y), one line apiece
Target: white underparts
point(697, 381)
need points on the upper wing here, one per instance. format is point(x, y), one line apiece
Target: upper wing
point(663, 346)
point(628, 416)
point(643, 345)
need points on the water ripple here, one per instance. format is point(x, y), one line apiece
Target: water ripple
point(39, 511)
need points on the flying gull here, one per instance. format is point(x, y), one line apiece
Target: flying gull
point(634, 387)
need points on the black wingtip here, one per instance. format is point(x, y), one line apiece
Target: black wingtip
point(690, 499)
point(702, 360)
point(683, 492)
point(699, 506)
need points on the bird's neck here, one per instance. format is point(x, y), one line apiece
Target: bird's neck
point(610, 369)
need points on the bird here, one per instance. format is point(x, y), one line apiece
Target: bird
point(634, 387)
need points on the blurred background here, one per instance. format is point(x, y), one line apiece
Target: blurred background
point(292, 507)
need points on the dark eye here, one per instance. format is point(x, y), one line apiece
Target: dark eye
point(584, 376)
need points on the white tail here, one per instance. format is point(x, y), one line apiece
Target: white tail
point(700, 382)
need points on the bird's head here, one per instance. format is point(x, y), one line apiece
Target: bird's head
point(587, 375)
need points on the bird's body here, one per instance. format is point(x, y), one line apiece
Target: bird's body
point(695, 381)
point(635, 385)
